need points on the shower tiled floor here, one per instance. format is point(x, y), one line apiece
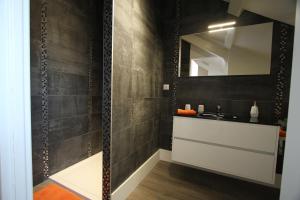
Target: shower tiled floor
point(84, 178)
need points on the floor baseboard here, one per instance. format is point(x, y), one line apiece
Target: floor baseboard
point(165, 155)
point(128, 186)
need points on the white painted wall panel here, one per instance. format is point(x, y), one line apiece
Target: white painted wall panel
point(291, 166)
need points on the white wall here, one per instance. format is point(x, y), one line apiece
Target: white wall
point(290, 189)
point(282, 10)
point(243, 62)
point(251, 50)
point(0, 180)
point(15, 124)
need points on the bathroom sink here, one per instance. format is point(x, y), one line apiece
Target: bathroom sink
point(211, 115)
point(217, 116)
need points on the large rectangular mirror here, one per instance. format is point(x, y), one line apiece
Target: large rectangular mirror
point(244, 50)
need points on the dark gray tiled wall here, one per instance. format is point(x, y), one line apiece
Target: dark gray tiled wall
point(137, 82)
point(185, 58)
point(72, 128)
point(234, 94)
point(166, 117)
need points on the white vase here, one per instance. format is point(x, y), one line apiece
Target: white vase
point(254, 111)
point(188, 107)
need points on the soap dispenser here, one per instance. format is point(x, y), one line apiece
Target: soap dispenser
point(254, 113)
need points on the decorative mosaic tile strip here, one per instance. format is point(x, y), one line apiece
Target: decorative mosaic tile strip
point(44, 88)
point(280, 76)
point(106, 106)
point(90, 86)
point(175, 61)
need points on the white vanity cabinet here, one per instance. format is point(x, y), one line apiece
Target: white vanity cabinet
point(240, 149)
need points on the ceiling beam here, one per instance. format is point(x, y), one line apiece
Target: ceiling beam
point(235, 7)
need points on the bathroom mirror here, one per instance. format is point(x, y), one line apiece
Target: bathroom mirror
point(244, 50)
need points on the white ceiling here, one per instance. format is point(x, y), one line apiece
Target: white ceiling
point(255, 38)
point(281, 10)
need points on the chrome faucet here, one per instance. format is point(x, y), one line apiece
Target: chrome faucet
point(218, 110)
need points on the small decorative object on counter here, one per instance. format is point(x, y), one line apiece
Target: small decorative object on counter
point(282, 136)
point(186, 112)
point(254, 113)
point(188, 107)
point(281, 145)
point(201, 109)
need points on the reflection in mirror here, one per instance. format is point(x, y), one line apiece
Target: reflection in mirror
point(244, 50)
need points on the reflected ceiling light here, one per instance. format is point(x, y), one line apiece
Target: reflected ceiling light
point(220, 29)
point(222, 25)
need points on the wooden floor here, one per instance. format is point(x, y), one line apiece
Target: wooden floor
point(174, 182)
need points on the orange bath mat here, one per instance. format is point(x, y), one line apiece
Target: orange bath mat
point(54, 192)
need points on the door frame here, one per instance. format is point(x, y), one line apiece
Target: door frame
point(15, 108)
point(291, 174)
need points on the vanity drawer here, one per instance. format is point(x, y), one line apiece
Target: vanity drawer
point(247, 164)
point(261, 138)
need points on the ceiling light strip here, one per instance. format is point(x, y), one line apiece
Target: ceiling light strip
point(221, 29)
point(222, 25)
